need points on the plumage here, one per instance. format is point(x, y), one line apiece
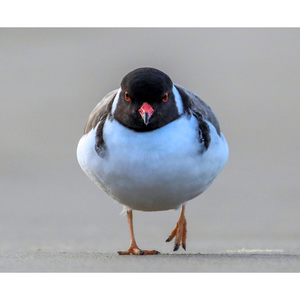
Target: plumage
point(156, 166)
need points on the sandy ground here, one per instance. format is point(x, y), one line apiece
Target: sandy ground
point(108, 262)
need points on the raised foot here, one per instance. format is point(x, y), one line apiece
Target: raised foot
point(137, 251)
point(180, 234)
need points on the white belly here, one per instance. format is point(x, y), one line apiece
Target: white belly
point(157, 170)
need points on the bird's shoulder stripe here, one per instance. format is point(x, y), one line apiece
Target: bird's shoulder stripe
point(203, 130)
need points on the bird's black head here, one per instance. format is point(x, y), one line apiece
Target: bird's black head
point(146, 101)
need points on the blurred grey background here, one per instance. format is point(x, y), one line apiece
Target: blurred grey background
point(51, 79)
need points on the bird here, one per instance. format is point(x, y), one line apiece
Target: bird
point(152, 145)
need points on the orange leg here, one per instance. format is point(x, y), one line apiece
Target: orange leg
point(133, 248)
point(179, 232)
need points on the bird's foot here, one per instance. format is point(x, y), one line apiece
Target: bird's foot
point(138, 251)
point(179, 233)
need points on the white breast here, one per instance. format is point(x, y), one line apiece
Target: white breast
point(157, 170)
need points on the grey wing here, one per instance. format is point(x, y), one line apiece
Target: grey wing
point(100, 112)
point(98, 117)
point(192, 102)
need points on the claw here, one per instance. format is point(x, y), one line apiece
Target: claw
point(179, 232)
point(137, 251)
point(176, 247)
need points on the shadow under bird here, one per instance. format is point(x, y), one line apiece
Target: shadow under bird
point(152, 145)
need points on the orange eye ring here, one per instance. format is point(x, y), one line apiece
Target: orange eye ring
point(127, 98)
point(165, 97)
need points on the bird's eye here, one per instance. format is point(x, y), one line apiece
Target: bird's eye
point(127, 98)
point(165, 97)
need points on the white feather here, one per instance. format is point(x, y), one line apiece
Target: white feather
point(156, 170)
point(115, 101)
point(178, 100)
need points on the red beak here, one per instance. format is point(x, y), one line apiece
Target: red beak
point(146, 112)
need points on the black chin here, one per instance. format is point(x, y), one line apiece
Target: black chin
point(140, 126)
